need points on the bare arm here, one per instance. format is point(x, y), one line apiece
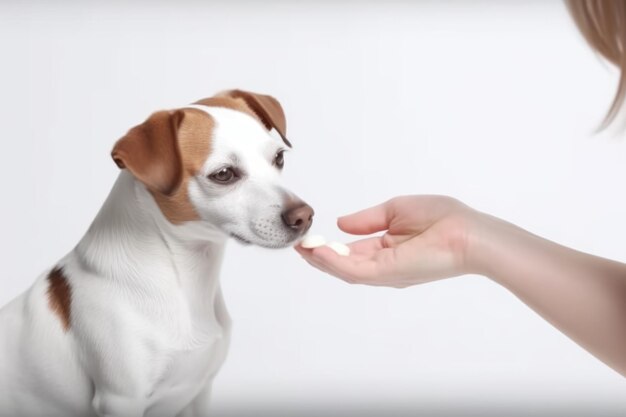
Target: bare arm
point(433, 237)
point(582, 295)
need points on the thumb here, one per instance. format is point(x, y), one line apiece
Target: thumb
point(365, 222)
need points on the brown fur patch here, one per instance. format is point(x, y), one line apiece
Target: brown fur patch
point(238, 104)
point(194, 142)
point(150, 151)
point(60, 296)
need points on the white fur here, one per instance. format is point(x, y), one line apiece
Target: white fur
point(149, 328)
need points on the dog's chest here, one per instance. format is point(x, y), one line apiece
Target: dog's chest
point(184, 372)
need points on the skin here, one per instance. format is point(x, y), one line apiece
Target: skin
point(427, 238)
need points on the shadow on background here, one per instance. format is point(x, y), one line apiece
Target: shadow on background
point(450, 410)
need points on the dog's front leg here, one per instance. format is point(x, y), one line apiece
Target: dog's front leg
point(108, 404)
point(120, 364)
point(199, 407)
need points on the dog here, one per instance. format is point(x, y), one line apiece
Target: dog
point(132, 321)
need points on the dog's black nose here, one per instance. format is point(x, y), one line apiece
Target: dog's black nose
point(298, 217)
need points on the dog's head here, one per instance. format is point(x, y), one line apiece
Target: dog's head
point(216, 162)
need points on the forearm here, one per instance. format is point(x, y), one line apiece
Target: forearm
point(582, 295)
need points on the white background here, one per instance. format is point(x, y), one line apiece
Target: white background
point(494, 103)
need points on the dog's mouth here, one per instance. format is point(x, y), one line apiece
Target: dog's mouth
point(269, 232)
point(240, 239)
point(270, 244)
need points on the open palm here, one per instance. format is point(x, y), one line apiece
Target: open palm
point(424, 240)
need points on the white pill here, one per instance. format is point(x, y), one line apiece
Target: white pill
point(340, 248)
point(313, 241)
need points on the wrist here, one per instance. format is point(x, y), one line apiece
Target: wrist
point(488, 238)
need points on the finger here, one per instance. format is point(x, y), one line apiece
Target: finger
point(302, 251)
point(307, 256)
point(319, 267)
point(354, 268)
point(366, 246)
point(365, 222)
point(373, 268)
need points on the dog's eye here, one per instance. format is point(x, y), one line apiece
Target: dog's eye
point(224, 176)
point(279, 159)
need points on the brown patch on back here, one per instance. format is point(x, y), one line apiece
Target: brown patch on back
point(194, 143)
point(60, 296)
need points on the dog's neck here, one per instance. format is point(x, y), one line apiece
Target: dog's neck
point(131, 242)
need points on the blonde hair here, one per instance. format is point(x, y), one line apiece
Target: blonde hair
point(603, 24)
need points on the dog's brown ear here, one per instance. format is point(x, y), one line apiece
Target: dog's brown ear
point(150, 152)
point(267, 108)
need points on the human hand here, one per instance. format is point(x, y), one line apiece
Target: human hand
point(426, 239)
point(433, 237)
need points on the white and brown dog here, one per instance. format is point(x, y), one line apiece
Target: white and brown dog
point(132, 321)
